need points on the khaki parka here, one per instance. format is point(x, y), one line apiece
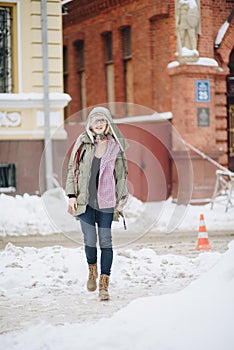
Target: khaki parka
point(85, 143)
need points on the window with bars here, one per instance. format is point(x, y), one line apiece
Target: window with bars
point(126, 39)
point(7, 177)
point(107, 38)
point(6, 83)
point(128, 69)
point(80, 56)
point(65, 60)
point(65, 77)
point(109, 66)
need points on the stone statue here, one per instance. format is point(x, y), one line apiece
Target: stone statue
point(187, 13)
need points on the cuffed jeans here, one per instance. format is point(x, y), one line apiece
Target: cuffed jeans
point(88, 222)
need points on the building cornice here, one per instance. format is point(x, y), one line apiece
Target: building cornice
point(33, 100)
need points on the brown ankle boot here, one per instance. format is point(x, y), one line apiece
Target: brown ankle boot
point(103, 287)
point(93, 274)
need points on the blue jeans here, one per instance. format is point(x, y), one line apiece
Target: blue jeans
point(103, 220)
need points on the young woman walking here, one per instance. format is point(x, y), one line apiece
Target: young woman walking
point(97, 190)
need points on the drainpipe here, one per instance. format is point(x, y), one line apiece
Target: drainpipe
point(46, 101)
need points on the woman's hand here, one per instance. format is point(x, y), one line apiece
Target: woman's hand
point(121, 204)
point(119, 207)
point(72, 206)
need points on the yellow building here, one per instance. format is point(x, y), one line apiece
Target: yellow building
point(22, 91)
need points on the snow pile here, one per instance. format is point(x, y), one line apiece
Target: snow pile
point(31, 271)
point(24, 215)
point(199, 316)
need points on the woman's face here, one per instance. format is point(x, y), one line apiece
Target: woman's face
point(98, 124)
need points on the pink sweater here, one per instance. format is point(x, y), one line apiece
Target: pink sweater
point(106, 186)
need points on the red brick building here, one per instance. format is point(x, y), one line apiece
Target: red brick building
point(125, 51)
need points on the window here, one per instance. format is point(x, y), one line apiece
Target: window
point(65, 76)
point(107, 37)
point(109, 66)
point(65, 63)
point(127, 46)
point(80, 54)
point(7, 49)
point(127, 61)
point(81, 72)
point(7, 177)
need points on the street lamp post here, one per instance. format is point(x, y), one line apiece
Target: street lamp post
point(47, 138)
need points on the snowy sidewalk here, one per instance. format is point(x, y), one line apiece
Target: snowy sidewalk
point(164, 294)
point(44, 304)
point(48, 284)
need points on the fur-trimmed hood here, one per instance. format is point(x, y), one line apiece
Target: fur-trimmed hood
point(113, 128)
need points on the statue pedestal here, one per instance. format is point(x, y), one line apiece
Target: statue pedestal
point(193, 109)
point(187, 56)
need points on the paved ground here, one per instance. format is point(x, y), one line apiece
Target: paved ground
point(174, 243)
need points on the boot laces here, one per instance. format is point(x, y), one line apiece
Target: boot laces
point(92, 272)
point(104, 283)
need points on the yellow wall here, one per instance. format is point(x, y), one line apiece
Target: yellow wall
point(28, 62)
point(31, 18)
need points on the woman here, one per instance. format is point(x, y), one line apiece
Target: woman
point(97, 191)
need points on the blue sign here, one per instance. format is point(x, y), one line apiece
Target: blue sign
point(202, 91)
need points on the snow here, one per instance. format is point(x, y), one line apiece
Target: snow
point(205, 61)
point(173, 64)
point(145, 118)
point(24, 215)
point(164, 302)
point(222, 31)
point(200, 314)
point(64, 2)
point(192, 3)
point(33, 100)
point(187, 52)
point(202, 61)
point(34, 96)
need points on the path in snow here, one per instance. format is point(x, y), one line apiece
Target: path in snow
point(174, 243)
point(48, 284)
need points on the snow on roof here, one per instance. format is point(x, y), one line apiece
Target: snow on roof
point(33, 96)
point(145, 118)
point(64, 2)
point(33, 100)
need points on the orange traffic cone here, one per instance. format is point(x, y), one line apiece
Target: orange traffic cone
point(203, 241)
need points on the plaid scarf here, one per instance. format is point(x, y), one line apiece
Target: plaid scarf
point(106, 186)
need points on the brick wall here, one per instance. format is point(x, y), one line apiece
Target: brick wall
point(153, 48)
point(149, 21)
